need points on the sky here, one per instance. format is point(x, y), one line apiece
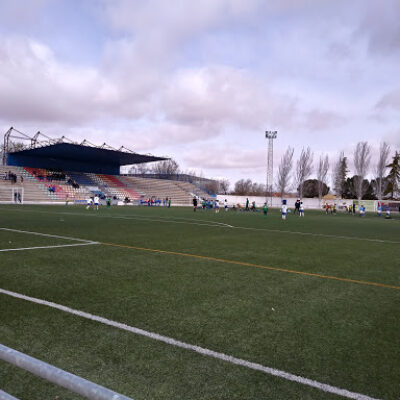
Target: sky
point(201, 82)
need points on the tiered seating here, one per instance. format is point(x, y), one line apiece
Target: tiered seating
point(32, 191)
point(191, 188)
point(115, 187)
point(159, 188)
point(36, 186)
point(62, 189)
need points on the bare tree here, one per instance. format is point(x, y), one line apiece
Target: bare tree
point(340, 171)
point(303, 168)
point(224, 185)
point(362, 158)
point(284, 170)
point(322, 172)
point(139, 169)
point(167, 167)
point(380, 169)
point(243, 187)
point(212, 186)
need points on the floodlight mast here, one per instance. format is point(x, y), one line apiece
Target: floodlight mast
point(270, 135)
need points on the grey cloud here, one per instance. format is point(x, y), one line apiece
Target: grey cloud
point(222, 95)
point(319, 120)
point(390, 100)
point(381, 26)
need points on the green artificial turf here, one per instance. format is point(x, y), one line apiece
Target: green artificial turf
point(337, 332)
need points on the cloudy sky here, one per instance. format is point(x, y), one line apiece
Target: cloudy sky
point(201, 81)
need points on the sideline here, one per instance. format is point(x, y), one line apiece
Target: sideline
point(201, 350)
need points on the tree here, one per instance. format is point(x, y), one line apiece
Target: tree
point(212, 186)
point(311, 188)
point(340, 174)
point(139, 169)
point(258, 189)
point(167, 167)
point(224, 185)
point(284, 170)
point(243, 187)
point(380, 169)
point(362, 158)
point(393, 179)
point(322, 172)
point(350, 188)
point(303, 168)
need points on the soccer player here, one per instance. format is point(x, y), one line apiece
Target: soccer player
point(284, 209)
point(226, 205)
point(297, 207)
point(265, 210)
point(96, 202)
point(216, 206)
point(362, 210)
point(194, 204)
point(387, 216)
point(379, 210)
point(88, 203)
point(301, 209)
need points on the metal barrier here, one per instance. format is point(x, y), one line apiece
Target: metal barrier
point(55, 375)
point(6, 396)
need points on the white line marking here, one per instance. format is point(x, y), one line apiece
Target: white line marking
point(201, 350)
point(317, 234)
point(218, 225)
point(47, 235)
point(51, 247)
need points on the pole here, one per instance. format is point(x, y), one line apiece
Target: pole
point(55, 375)
point(270, 135)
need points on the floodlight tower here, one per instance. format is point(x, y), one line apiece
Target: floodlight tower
point(270, 135)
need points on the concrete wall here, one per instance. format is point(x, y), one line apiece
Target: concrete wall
point(277, 202)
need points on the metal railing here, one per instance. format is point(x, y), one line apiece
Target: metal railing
point(57, 376)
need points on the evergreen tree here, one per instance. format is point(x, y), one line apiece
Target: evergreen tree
point(393, 179)
point(340, 175)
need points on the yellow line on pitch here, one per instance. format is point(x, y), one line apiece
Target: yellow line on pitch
point(245, 264)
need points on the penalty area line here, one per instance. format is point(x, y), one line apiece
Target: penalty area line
point(197, 349)
point(51, 247)
point(48, 235)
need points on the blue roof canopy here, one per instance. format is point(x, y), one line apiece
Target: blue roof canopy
point(75, 157)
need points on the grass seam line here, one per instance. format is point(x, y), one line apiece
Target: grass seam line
point(246, 264)
point(197, 349)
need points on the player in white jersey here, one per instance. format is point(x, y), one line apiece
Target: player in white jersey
point(89, 203)
point(226, 205)
point(301, 209)
point(96, 202)
point(284, 209)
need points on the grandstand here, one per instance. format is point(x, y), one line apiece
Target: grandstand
point(54, 169)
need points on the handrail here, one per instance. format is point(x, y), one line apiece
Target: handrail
point(58, 376)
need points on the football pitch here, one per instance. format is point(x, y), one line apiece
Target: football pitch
point(159, 303)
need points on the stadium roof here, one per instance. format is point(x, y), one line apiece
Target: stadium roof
point(45, 147)
point(78, 152)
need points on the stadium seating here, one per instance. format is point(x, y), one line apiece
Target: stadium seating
point(36, 184)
